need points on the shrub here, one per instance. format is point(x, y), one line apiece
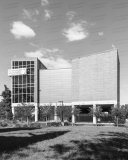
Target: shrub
point(37, 125)
point(6, 123)
point(55, 124)
point(118, 115)
point(47, 111)
point(24, 113)
point(3, 124)
point(64, 112)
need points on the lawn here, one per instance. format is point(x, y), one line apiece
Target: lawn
point(64, 143)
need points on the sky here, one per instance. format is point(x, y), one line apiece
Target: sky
point(57, 31)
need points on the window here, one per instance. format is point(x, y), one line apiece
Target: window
point(32, 89)
point(28, 63)
point(20, 80)
point(24, 63)
point(24, 79)
point(32, 71)
point(20, 64)
point(16, 98)
point(32, 78)
point(23, 85)
point(16, 63)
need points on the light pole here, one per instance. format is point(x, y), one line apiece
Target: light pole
point(61, 102)
point(62, 110)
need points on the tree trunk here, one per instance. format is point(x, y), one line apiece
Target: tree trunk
point(46, 121)
point(27, 121)
point(62, 119)
point(117, 121)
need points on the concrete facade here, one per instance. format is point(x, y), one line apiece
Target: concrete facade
point(55, 85)
point(96, 77)
point(93, 80)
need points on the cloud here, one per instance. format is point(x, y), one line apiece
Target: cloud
point(101, 33)
point(30, 14)
point(71, 15)
point(49, 61)
point(46, 51)
point(34, 45)
point(34, 54)
point(44, 2)
point(48, 14)
point(36, 12)
point(76, 31)
point(26, 14)
point(52, 63)
point(92, 24)
point(19, 30)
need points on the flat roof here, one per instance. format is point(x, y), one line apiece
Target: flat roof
point(115, 49)
point(55, 69)
point(24, 59)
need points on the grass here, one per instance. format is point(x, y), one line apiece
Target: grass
point(64, 143)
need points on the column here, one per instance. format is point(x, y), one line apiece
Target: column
point(55, 114)
point(13, 111)
point(36, 113)
point(73, 116)
point(94, 117)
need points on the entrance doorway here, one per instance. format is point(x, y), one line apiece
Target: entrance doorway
point(84, 115)
point(106, 108)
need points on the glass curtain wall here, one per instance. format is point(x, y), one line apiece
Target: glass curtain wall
point(23, 85)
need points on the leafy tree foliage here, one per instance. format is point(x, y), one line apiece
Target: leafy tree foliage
point(119, 114)
point(76, 111)
point(66, 112)
point(125, 107)
point(5, 104)
point(47, 111)
point(97, 112)
point(24, 113)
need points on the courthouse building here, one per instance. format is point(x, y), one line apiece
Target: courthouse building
point(93, 80)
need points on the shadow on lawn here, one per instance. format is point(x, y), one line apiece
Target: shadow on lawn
point(12, 143)
point(15, 129)
point(111, 146)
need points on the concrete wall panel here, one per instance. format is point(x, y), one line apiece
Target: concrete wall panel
point(94, 77)
point(55, 85)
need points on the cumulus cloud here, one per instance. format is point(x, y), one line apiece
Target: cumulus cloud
point(44, 2)
point(19, 30)
point(53, 63)
point(50, 62)
point(48, 14)
point(34, 54)
point(76, 31)
point(71, 15)
point(46, 51)
point(30, 14)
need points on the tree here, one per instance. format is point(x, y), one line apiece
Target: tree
point(76, 111)
point(5, 104)
point(97, 112)
point(126, 109)
point(66, 112)
point(119, 114)
point(47, 111)
point(24, 113)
